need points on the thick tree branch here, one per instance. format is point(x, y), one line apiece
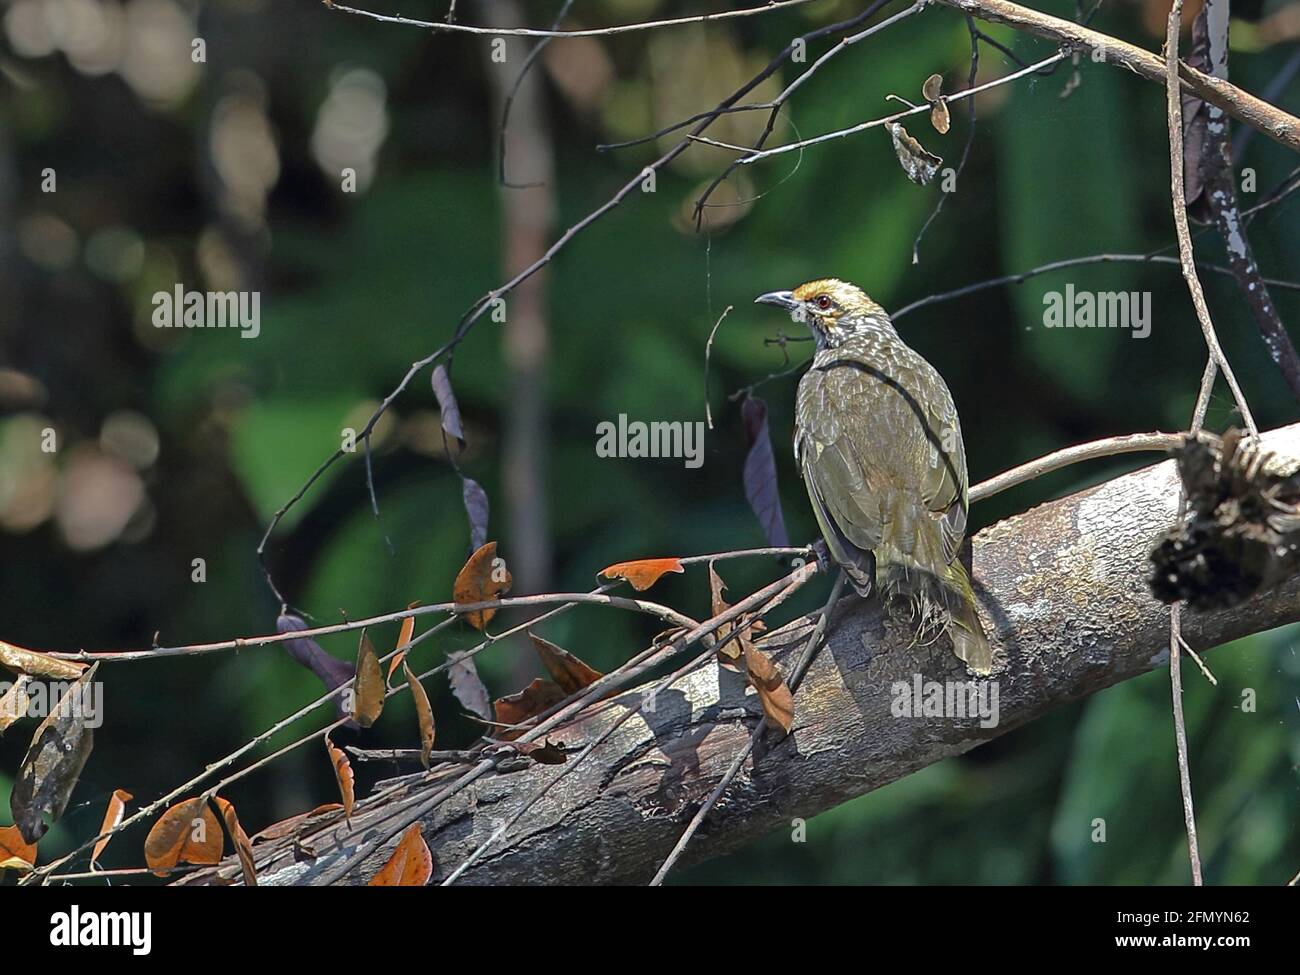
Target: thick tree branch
point(1066, 604)
point(1241, 105)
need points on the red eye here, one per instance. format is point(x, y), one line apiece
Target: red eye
point(823, 302)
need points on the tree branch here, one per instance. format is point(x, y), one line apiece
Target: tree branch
point(1065, 600)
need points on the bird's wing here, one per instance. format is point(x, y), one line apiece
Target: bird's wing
point(834, 428)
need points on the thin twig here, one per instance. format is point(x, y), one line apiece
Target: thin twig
point(1110, 446)
point(796, 676)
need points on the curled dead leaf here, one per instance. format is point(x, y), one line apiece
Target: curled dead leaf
point(642, 573)
point(423, 713)
point(343, 775)
point(468, 686)
point(13, 703)
point(533, 700)
point(15, 852)
point(112, 816)
point(188, 832)
point(482, 578)
point(773, 694)
point(58, 752)
point(404, 636)
point(940, 118)
point(918, 163)
point(23, 661)
point(565, 669)
point(243, 845)
point(411, 863)
point(368, 691)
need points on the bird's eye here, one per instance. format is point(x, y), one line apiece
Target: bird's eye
point(823, 301)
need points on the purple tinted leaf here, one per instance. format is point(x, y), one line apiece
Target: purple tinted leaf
point(760, 472)
point(331, 670)
point(447, 404)
point(476, 506)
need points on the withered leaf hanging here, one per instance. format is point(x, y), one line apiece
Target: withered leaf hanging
point(939, 116)
point(478, 510)
point(931, 87)
point(329, 669)
point(54, 761)
point(468, 686)
point(447, 404)
point(918, 163)
point(761, 489)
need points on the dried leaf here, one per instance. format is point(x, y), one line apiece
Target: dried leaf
point(188, 832)
point(15, 852)
point(918, 163)
point(292, 825)
point(411, 864)
point(13, 704)
point(931, 87)
point(643, 573)
point(567, 670)
point(243, 845)
point(550, 753)
point(478, 510)
point(331, 671)
point(447, 404)
point(466, 685)
point(778, 703)
point(343, 775)
point(368, 692)
point(424, 713)
point(534, 699)
point(54, 761)
point(940, 117)
point(482, 578)
point(404, 636)
point(23, 661)
point(112, 816)
point(761, 490)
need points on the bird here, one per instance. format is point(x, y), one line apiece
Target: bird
point(879, 446)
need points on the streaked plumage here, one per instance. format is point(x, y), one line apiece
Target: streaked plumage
point(879, 446)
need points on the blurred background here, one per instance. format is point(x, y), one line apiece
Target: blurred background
point(226, 172)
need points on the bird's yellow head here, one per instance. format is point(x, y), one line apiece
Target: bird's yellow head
point(829, 307)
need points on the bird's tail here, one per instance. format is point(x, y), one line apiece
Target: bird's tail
point(936, 604)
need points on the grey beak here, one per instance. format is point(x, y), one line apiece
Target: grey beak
point(782, 299)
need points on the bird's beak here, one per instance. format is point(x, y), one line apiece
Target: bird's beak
point(782, 299)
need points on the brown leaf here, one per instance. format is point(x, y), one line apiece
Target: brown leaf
point(467, 686)
point(423, 712)
point(918, 163)
point(15, 852)
point(940, 117)
point(643, 573)
point(343, 775)
point(778, 703)
point(931, 87)
point(23, 661)
point(411, 864)
point(531, 701)
point(368, 691)
point(567, 670)
point(243, 845)
point(188, 832)
point(287, 827)
point(112, 816)
point(404, 636)
point(54, 760)
point(550, 753)
point(482, 578)
point(13, 704)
